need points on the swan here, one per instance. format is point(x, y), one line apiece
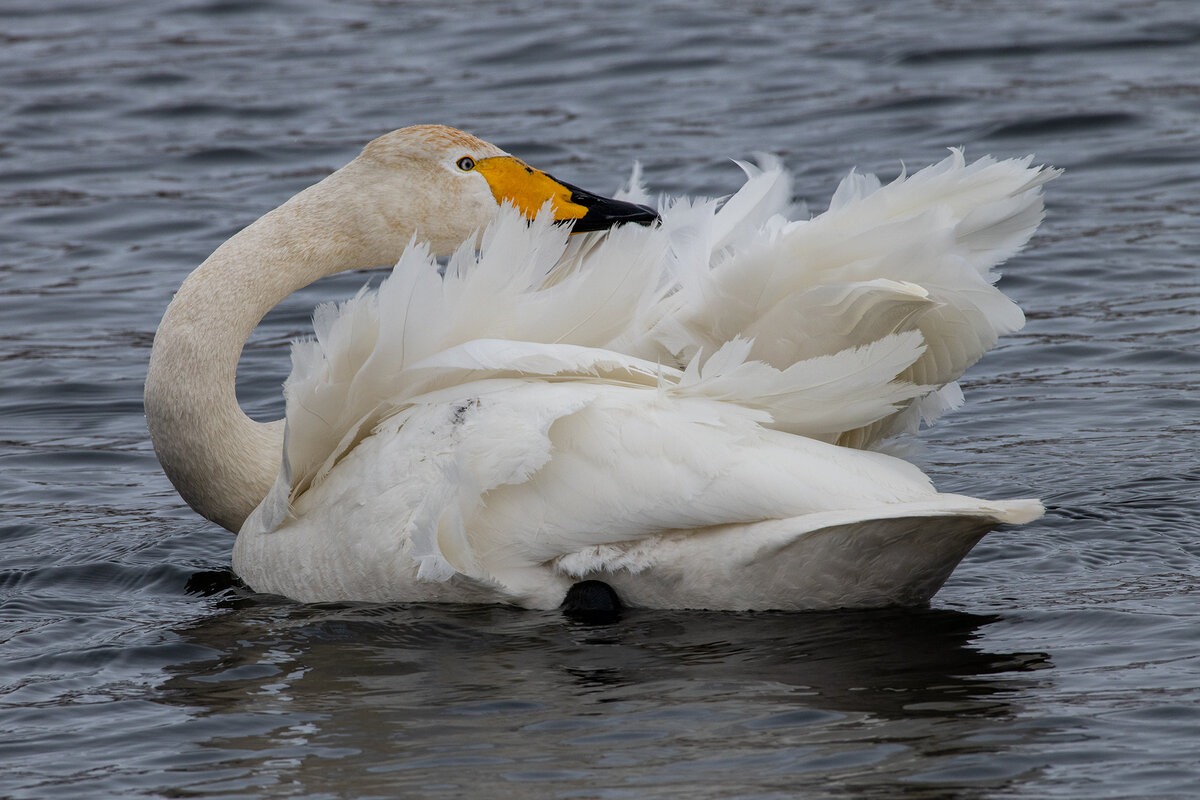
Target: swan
point(691, 408)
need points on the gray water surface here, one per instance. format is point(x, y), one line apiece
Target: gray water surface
point(1062, 659)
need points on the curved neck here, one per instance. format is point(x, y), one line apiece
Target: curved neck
point(222, 462)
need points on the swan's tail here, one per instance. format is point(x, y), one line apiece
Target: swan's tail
point(900, 556)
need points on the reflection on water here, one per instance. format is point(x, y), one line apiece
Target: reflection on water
point(453, 700)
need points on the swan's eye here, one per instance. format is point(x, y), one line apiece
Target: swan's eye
point(466, 163)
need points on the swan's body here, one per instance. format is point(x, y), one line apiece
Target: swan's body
point(685, 412)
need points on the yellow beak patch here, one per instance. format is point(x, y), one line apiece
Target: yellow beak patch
point(527, 188)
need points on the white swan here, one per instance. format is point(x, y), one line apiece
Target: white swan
point(686, 411)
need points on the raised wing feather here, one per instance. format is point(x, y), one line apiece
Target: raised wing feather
point(915, 254)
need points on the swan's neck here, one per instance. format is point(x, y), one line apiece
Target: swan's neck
point(222, 462)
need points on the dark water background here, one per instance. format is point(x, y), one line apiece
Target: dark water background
point(1061, 660)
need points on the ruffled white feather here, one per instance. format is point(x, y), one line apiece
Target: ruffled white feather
point(552, 407)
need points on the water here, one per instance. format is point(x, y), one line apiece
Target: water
point(1061, 660)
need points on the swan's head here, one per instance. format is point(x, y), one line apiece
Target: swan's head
point(447, 185)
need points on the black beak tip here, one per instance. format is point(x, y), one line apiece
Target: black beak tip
point(603, 213)
point(648, 215)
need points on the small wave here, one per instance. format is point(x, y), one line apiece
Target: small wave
point(1042, 127)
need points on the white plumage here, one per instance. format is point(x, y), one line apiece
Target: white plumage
point(687, 411)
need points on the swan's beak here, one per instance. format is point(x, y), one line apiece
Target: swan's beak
point(528, 189)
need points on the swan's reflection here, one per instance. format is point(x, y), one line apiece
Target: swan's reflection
point(409, 696)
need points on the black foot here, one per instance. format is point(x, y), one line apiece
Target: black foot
point(211, 582)
point(592, 601)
